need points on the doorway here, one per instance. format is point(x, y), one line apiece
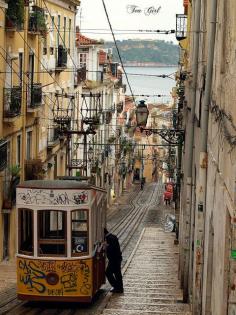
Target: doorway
point(6, 222)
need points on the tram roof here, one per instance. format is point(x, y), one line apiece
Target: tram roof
point(58, 184)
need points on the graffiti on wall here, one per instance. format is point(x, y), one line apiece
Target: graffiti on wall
point(72, 277)
point(51, 197)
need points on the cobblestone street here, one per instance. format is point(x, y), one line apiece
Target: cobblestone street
point(150, 266)
point(151, 283)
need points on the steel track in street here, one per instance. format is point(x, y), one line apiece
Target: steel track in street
point(124, 229)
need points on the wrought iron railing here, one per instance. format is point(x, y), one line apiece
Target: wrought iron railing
point(61, 57)
point(9, 192)
point(37, 22)
point(81, 75)
point(3, 154)
point(54, 134)
point(12, 101)
point(35, 95)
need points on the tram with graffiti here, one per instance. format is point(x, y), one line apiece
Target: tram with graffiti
point(60, 254)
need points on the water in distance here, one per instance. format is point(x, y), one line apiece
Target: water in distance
point(150, 85)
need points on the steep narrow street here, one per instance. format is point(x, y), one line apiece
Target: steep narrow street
point(150, 264)
point(151, 278)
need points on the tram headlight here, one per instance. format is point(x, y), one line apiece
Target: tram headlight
point(52, 278)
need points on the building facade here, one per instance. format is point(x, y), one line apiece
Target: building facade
point(36, 38)
point(207, 225)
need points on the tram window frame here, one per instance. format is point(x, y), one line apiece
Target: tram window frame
point(21, 229)
point(83, 253)
point(52, 241)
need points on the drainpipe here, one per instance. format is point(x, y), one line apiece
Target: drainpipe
point(24, 92)
point(202, 187)
point(187, 211)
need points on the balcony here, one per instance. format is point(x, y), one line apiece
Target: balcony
point(12, 102)
point(34, 169)
point(54, 135)
point(81, 76)
point(3, 154)
point(14, 15)
point(61, 58)
point(37, 23)
point(34, 97)
point(9, 193)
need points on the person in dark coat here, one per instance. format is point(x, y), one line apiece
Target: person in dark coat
point(114, 256)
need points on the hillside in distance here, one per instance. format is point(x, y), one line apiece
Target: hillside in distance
point(145, 51)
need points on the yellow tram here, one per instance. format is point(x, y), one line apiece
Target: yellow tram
point(60, 226)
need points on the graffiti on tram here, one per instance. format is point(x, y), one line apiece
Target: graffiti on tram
point(54, 278)
point(52, 197)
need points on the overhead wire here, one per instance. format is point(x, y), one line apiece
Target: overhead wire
point(138, 74)
point(117, 48)
point(23, 81)
point(54, 80)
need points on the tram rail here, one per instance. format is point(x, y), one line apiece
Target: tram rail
point(125, 229)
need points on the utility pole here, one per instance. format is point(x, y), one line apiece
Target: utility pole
point(24, 91)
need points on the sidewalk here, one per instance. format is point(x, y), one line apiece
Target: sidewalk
point(7, 282)
point(151, 285)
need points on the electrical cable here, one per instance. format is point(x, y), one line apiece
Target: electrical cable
point(117, 48)
point(23, 81)
point(58, 32)
point(138, 74)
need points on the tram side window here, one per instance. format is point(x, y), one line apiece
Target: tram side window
point(79, 231)
point(26, 232)
point(52, 233)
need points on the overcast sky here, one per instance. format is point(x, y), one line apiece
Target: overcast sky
point(91, 15)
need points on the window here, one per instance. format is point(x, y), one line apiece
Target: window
point(26, 232)
point(58, 28)
point(51, 33)
point(64, 35)
point(82, 60)
point(20, 69)
point(69, 33)
point(18, 149)
point(29, 145)
point(52, 233)
point(79, 230)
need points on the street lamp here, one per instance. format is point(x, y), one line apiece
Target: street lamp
point(181, 26)
point(142, 113)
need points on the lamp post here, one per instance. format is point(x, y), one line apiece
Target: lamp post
point(142, 113)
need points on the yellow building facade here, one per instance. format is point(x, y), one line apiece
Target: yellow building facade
point(37, 84)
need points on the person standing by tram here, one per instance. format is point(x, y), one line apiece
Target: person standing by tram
point(114, 255)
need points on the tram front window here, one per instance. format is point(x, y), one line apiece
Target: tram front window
point(26, 231)
point(52, 233)
point(79, 231)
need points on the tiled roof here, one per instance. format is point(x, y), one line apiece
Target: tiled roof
point(82, 40)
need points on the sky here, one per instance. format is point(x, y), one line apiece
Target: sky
point(128, 15)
